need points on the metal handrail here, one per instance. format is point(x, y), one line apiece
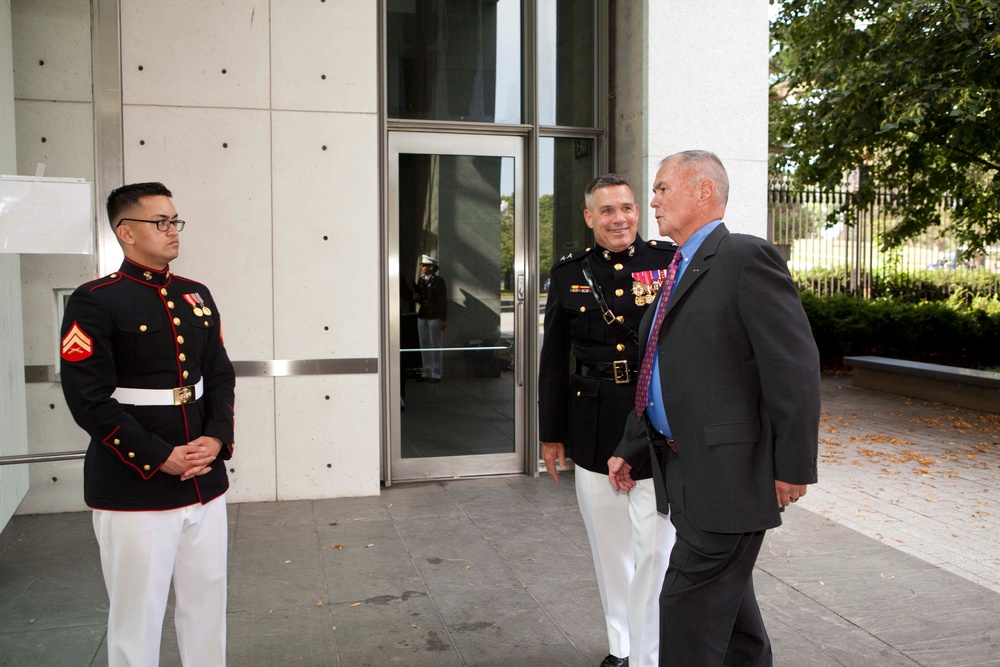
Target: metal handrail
point(41, 458)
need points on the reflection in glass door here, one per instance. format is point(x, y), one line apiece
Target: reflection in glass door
point(456, 286)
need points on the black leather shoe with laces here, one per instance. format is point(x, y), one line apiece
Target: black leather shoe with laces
point(612, 661)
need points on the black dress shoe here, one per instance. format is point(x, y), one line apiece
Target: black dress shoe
point(612, 661)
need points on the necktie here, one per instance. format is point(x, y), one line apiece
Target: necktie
point(646, 370)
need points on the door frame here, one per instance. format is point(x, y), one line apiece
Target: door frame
point(395, 468)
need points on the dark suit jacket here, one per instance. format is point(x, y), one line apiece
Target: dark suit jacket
point(740, 376)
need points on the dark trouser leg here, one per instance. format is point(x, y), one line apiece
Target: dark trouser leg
point(749, 644)
point(707, 604)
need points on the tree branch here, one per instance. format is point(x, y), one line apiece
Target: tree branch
point(972, 156)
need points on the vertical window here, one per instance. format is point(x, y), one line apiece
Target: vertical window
point(565, 166)
point(566, 62)
point(454, 60)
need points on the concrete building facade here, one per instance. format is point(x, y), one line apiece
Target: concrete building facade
point(316, 152)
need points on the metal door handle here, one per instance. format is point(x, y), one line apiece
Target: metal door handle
point(518, 331)
point(518, 345)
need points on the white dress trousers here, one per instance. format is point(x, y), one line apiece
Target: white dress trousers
point(140, 553)
point(631, 544)
point(431, 341)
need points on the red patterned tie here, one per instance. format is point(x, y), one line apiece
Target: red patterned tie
point(646, 370)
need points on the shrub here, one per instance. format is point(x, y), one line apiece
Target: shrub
point(943, 332)
point(910, 287)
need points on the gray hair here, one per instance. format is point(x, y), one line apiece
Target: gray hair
point(706, 164)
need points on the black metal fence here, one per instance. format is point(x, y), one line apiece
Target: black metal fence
point(847, 257)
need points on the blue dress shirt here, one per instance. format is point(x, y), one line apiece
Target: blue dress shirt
point(654, 409)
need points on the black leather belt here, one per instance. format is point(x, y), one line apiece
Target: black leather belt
point(622, 372)
point(659, 440)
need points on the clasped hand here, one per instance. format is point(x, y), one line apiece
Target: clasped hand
point(194, 458)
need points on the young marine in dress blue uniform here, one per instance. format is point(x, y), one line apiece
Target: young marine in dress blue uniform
point(146, 375)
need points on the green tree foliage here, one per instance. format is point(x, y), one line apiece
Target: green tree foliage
point(904, 91)
point(507, 236)
point(544, 235)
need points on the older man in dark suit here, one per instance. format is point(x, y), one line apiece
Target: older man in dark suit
point(729, 387)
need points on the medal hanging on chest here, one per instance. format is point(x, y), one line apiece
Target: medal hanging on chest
point(646, 285)
point(197, 304)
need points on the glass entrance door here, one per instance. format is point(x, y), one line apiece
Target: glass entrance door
point(456, 312)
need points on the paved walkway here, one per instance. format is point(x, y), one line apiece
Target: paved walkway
point(890, 560)
point(921, 477)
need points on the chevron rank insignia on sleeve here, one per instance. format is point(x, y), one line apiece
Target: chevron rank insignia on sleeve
point(76, 345)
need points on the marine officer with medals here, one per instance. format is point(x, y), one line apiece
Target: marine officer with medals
point(146, 375)
point(587, 382)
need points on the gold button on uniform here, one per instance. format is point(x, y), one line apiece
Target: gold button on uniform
point(170, 304)
point(619, 292)
point(619, 267)
point(185, 375)
point(206, 323)
point(142, 327)
point(163, 291)
point(621, 347)
point(577, 393)
point(180, 339)
point(182, 356)
point(131, 455)
point(114, 275)
point(177, 321)
point(583, 309)
point(146, 467)
point(652, 243)
point(620, 318)
point(117, 441)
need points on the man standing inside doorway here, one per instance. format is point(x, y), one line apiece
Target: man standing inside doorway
point(596, 298)
point(145, 374)
point(431, 296)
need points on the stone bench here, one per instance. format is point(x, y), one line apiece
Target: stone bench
point(964, 387)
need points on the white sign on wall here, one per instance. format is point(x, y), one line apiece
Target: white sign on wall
point(46, 215)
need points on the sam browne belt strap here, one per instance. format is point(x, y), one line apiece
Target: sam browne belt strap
point(609, 317)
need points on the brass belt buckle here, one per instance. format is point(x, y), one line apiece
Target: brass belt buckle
point(183, 395)
point(609, 317)
point(620, 369)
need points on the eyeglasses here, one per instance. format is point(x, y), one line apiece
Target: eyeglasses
point(161, 225)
